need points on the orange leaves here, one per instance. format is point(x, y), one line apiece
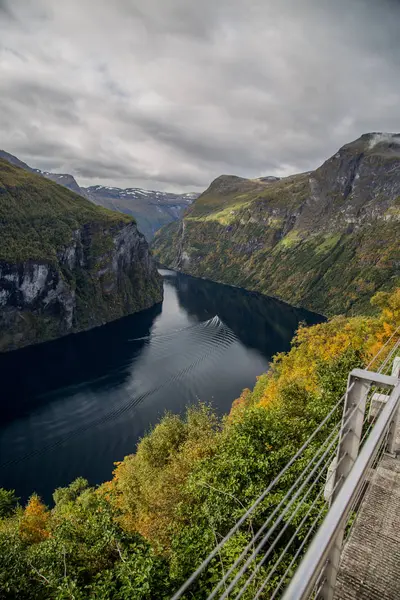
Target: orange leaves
point(239, 405)
point(34, 523)
point(316, 345)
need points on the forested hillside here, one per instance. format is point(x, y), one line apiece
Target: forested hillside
point(325, 240)
point(65, 264)
point(142, 533)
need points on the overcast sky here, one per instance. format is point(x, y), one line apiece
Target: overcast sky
point(169, 94)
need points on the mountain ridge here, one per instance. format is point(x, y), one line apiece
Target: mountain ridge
point(324, 239)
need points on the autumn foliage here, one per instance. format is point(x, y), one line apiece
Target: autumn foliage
point(33, 526)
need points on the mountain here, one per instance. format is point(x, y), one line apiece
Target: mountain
point(325, 239)
point(150, 208)
point(15, 161)
point(65, 264)
point(64, 179)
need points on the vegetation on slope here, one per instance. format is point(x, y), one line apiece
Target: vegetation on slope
point(65, 264)
point(38, 217)
point(141, 534)
point(325, 240)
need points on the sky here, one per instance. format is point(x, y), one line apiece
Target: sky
point(169, 94)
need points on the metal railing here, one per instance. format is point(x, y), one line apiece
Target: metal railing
point(308, 522)
point(321, 562)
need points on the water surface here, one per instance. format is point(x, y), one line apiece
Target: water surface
point(76, 405)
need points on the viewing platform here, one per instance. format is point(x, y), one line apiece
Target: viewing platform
point(370, 564)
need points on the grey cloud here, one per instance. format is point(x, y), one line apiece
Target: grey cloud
point(171, 93)
point(4, 7)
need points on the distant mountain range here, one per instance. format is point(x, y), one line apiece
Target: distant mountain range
point(152, 209)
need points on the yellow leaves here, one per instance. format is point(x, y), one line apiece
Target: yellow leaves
point(34, 523)
point(318, 344)
point(150, 486)
point(328, 341)
point(389, 303)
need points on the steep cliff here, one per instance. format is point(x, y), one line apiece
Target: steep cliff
point(325, 239)
point(65, 264)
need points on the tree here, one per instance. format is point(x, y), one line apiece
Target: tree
point(8, 502)
point(33, 526)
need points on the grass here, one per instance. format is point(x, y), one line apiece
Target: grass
point(329, 242)
point(290, 240)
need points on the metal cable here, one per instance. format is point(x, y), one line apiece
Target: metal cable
point(294, 536)
point(256, 551)
point(299, 550)
point(382, 348)
point(355, 503)
point(274, 526)
point(262, 496)
point(276, 510)
point(389, 356)
point(375, 459)
point(233, 530)
point(276, 540)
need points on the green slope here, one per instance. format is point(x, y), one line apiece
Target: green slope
point(326, 240)
point(38, 217)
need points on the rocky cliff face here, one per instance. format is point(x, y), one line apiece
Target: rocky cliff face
point(65, 265)
point(326, 239)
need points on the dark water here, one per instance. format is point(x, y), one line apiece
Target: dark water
point(74, 406)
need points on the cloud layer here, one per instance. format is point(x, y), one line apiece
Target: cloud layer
point(169, 94)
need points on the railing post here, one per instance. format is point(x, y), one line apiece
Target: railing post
point(394, 425)
point(349, 443)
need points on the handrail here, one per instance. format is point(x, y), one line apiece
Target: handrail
point(342, 473)
point(307, 574)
